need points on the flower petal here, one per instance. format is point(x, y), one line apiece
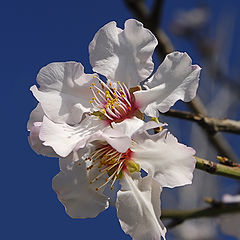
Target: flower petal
point(64, 138)
point(74, 192)
point(123, 55)
point(175, 79)
point(34, 125)
point(129, 126)
point(170, 162)
point(138, 208)
point(64, 91)
point(35, 116)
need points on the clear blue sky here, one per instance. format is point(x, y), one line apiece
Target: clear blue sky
point(33, 34)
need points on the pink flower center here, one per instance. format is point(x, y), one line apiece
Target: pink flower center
point(115, 103)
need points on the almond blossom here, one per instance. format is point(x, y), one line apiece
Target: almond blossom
point(81, 184)
point(74, 106)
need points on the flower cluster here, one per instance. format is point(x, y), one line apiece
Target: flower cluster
point(96, 127)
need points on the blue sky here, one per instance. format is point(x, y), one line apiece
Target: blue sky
point(33, 34)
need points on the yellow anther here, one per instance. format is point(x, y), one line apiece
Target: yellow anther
point(93, 98)
point(91, 101)
point(91, 182)
point(97, 189)
point(94, 76)
point(118, 82)
point(90, 87)
point(103, 111)
point(106, 179)
point(133, 166)
point(154, 119)
point(98, 91)
point(110, 84)
point(93, 84)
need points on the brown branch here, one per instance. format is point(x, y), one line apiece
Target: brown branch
point(179, 216)
point(164, 47)
point(212, 124)
point(156, 13)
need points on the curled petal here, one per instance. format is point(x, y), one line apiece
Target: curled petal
point(34, 126)
point(138, 208)
point(175, 79)
point(64, 91)
point(64, 138)
point(123, 55)
point(74, 192)
point(35, 116)
point(129, 126)
point(170, 162)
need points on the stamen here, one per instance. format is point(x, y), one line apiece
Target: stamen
point(115, 104)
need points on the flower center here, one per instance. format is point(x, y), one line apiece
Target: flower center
point(111, 162)
point(114, 103)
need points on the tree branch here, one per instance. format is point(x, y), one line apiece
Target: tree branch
point(212, 124)
point(164, 47)
point(180, 216)
point(218, 169)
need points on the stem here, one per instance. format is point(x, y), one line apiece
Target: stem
point(218, 169)
point(179, 216)
point(212, 124)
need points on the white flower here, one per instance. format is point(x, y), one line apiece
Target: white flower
point(74, 106)
point(230, 222)
point(81, 184)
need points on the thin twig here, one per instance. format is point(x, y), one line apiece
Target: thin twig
point(164, 47)
point(218, 168)
point(212, 124)
point(179, 216)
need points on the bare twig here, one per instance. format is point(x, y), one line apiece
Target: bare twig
point(180, 216)
point(164, 47)
point(218, 168)
point(210, 123)
point(156, 13)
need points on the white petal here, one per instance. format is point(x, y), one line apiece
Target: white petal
point(74, 192)
point(64, 91)
point(64, 138)
point(34, 125)
point(36, 144)
point(123, 55)
point(128, 126)
point(118, 140)
point(35, 116)
point(175, 79)
point(170, 162)
point(138, 208)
